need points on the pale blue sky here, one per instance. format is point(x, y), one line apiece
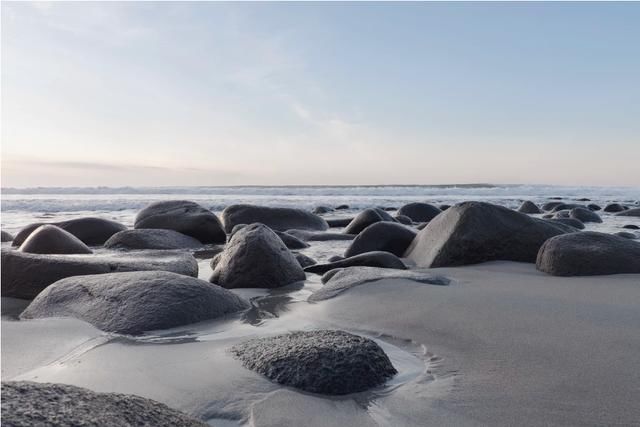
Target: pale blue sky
point(333, 93)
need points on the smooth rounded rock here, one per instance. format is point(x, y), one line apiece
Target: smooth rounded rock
point(403, 219)
point(631, 227)
point(338, 222)
point(321, 210)
point(572, 222)
point(528, 207)
point(92, 231)
point(551, 205)
point(368, 259)
point(419, 212)
point(149, 238)
point(585, 215)
point(614, 207)
point(49, 239)
point(630, 212)
point(5, 236)
point(626, 235)
point(185, 217)
point(594, 207)
point(278, 219)
point(323, 361)
point(304, 260)
point(382, 236)
point(319, 236)
point(290, 241)
point(366, 218)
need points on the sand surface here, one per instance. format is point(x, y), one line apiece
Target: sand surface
point(503, 344)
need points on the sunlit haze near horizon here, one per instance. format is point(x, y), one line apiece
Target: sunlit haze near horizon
point(176, 94)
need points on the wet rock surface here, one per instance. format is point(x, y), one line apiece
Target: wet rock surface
point(49, 239)
point(382, 236)
point(151, 239)
point(369, 259)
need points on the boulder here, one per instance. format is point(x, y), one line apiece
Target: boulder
point(184, 217)
point(594, 207)
point(256, 257)
point(5, 236)
point(149, 238)
point(572, 222)
point(528, 207)
point(338, 222)
point(366, 218)
point(583, 199)
point(550, 205)
point(319, 236)
point(49, 239)
point(279, 219)
point(26, 403)
point(614, 207)
point(382, 236)
point(444, 207)
point(304, 260)
point(589, 253)
point(290, 241)
point(342, 207)
point(474, 232)
point(419, 212)
point(566, 207)
point(321, 210)
point(368, 259)
point(631, 227)
point(334, 258)
point(25, 275)
point(134, 302)
point(630, 212)
point(321, 361)
point(626, 235)
point(92, 231)
point(584, 215)
point(403, 219)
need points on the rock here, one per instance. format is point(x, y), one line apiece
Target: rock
point(341, 279)
point(342, 207)
point(184, 217)
point(583, 199)
point(279, 219)
point(256, 257)
point(366, 218)
point(92, 231)
point(290, 241)
point(566, 207)
point(49, 239)
point(630, 212)
point(550, 205)
point(368, 259)
point(321, 361)
point(575, 223)
point(382, 236)
point(589, 253)
point(474, 232)
point(25, 275)
point(403, 219)
point(626, 235)
point(422, 225)
point(631, 227)
point(208, 252)
point(5, 236)
point(444, 207)
point(561, 214)
point(419, 212)
point(584, 215)
point(338, 222)
point(134, 302)
point(27, 403)
point(594, 207)
point(319, 236)
point(614, 207)
point(150, 238)
point(528, 207)
point(304, 260)
point(548, 216)
point(322, 210)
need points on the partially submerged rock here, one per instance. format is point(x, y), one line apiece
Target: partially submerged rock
point(134, 302)
point(474, 232)
point(185, 217)
point(92, 231)
point(630, 212)
point(528, 207)
point(49, 239)
point(338, 222)
point(589, 253)
point(614, 207)
point(151, 239)
point(324, 361)
point(27, 403)
point(584, 215)
point(256, 257)
point(280, 219)
point(382, 236)
point(5, 236)
point(369, 259)
point(25, 275)
point(419, 212)
point(366, 218)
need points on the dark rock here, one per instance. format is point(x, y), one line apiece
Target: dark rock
point(208, 252)
point(319, 236)
point(49, 239)
point(321, 361)
point(341, 279)
point(280, 219)
point(550, 205)
point(134, 302)
point(584, 215)
point(92, 231)
point(382, 236)
point(589, 253)
point(304, 260)
point(566, 207)
point(388, 208)
point(338, 222)
point(575, 223)
point(594, 207)
point(184, 217)
point(473, 232)
point(403, 219)
point(422, 225)
point(528, 207)
point(256, 257)
point(444, 207)
point(419, 212)
point(631, 227)
point(548, 216)
point(151, 239)
point(562, 214)
point(342, 207)
point(366, 218)
point(583, 199)
point(626, 235)
point(26, 275)
point(335, 258)
point(322, 210)
point(289, 240)
point(44, 404)
point(367, 259)
point(5, 236)
point(630, 212)
point(556, 198)
point(614, 207)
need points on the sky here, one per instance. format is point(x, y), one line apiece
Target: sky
point(154, 94)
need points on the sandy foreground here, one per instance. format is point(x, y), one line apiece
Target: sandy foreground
point(503, 344)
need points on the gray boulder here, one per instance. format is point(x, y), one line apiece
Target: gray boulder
point(321, 210)
point(184, 217)
point(280, 219)
point(528, 207)
point(474, 232)
point(256, 257)
point(27, 404)
point(368, 259)
point(290, 241)
point(304, 260)
point(594, 207)
point(151, 238)
point(551, 205)
point(584, 215)
point(403, 219)
point(382, 236)
point(92, 231)
point(134, 302)
point(630, 212)
point(25, 275)
point(322, 361)
point(319, 236)
point(589, 253)
point(631, 227)
point(49, 239)
point(5, 236)
point(614, 207)
point(626, 235)
point(444, 207)
point(342, 207)
point(572, 222)
point(419, 212)
point(366, 218)
point(338, 222)
point(566, 207)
